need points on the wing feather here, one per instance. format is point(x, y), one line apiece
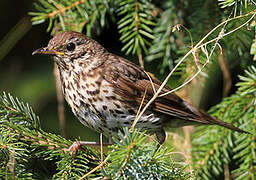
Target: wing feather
point(130, 82)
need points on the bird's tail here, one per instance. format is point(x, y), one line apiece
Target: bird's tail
point(215, 121)
point(203, 118)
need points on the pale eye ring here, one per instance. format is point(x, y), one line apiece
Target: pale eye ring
point(71, 46)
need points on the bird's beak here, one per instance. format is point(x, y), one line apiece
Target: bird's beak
point(45, 50)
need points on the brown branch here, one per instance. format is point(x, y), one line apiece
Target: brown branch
point(96, 168)
point(62, 10)
point(141, 61)
point(227, 81)
point(12, 162)
point(226, 172)
point(128, 155)
point(187, 144)
point(202, 163)
point(60, 100)
point(136, 17)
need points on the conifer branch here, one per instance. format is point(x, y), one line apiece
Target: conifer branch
point(23, 143)
point(214, 147)
point(71, 15)
point(62, 10)
point(135, 25)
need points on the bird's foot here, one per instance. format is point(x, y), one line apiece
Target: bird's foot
point(78, 144)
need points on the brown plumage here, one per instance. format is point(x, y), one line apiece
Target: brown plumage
point(105, 90)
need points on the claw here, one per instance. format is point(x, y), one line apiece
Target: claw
point(74, 147)
point(78, 144)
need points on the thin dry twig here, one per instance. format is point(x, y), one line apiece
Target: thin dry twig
point(150, 79)
point(198, 45)
point(196, 59)
point(203, 45)
point(138, 112)
point(101, 147)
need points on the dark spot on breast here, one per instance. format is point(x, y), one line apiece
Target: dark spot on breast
point(93, 85)
point(156, 123)
point(85, 121)
point(105, 90)
point(84, 104)
point(98, 83)
point(68, 87)
point(130, 111)
point(111, 97)
point(100, 99)
point(101, 130)
point(79, 94)
point(119, 112)
point(69, 96)
point(111, 111)
point(74, 96)
point(93, 105)
point(114, 114)
point(78, 75)
point(72, 86)
point(90, 100)
point(117, 105)
point(80, 64)
point(98, 112)
point(127, 122)
point(64, 85)
point(115, 129)
point(87, 85)
point(93, 93)
point(94, 99)
point(97, 91)
point(83, 54)
point(76, 106)
point(77, 83)
point(104, 107)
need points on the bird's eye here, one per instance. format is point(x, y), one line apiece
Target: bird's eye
point(71, 46)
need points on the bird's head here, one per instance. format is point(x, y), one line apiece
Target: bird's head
point(70, 48)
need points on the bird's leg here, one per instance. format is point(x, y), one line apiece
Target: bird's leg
point(160, 135)
point(78, 144)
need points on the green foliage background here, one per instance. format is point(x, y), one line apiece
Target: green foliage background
point(155, 35)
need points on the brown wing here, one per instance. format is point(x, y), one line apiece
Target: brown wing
point(132, 83)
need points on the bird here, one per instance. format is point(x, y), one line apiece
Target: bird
point(105, 90)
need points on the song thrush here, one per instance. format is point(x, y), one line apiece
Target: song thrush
point(105, 91)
